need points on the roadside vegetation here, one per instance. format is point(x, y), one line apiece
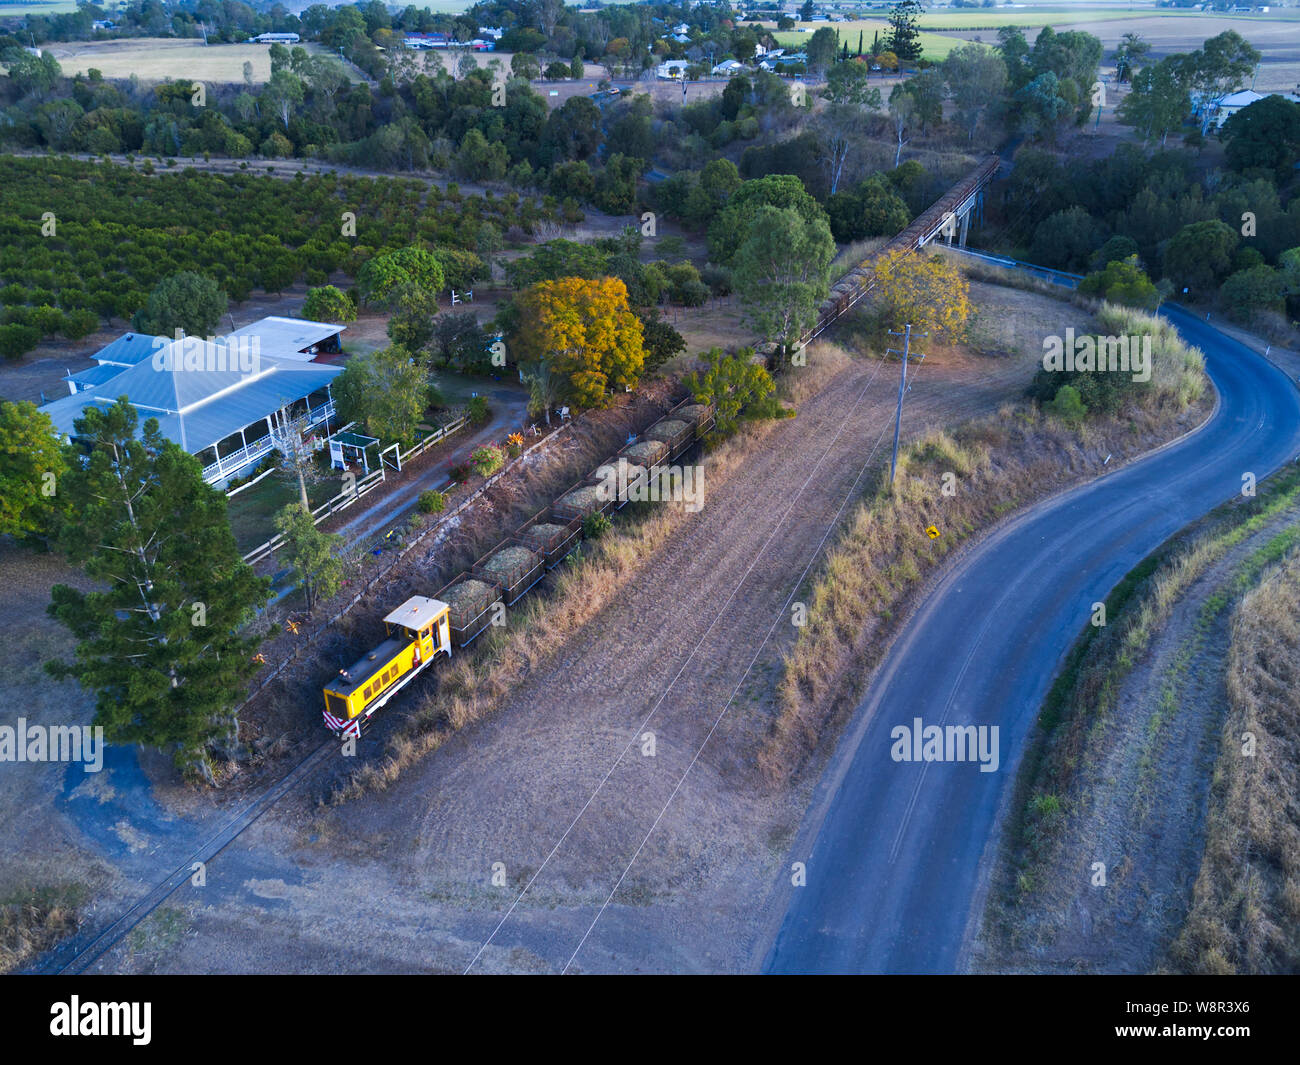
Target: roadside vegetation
point(1244, 899)
point(31, 922)
point(1245, 914)
point(991, 467)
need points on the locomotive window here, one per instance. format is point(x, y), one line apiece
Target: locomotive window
point(366, 694)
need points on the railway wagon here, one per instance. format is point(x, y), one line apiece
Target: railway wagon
point(513, 566)
point(473, 602)
point(586, 497)
point(623, 478)
point(675, 434)
point(418, 632)
point(550, 536)
point(698, 415)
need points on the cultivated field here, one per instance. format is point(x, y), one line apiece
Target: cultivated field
point(157, 59)
point(1275, 34)
point(41, 7)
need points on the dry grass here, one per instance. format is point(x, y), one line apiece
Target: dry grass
point(1001, 463)
point(1245, 914)
point(33, 922)
point(159, 59)
point(477, 683)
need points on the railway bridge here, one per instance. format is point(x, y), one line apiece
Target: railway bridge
point(949, 216)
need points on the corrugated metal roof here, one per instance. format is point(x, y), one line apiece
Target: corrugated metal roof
point(96, 375)
point(127, 350)
point(200, 405)
point(288, 338)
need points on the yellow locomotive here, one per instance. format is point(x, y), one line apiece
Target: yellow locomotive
point(418, 632)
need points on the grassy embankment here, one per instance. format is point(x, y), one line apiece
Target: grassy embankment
point(1001, 463)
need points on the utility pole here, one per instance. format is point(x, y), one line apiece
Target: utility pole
point(902, 387)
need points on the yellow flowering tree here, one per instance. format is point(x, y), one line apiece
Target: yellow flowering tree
point(928, 291)
point(583, 331)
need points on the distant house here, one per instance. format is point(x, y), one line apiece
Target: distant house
point(493, 33)
point(428, 40)
point(274, 38)
point(482, 44)
point(729, 67)
point(1225, 107)
point(221, 399)
point(103, 24)
point(682, 28)
point(672, 70)
point(680, 38)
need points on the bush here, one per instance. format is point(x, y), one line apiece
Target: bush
point(1122, 282)
point(477, 409)
point(487, 460)
point(327, 303)
point(16, 340)
point(594, 526)
point(459, 472)
point(1067, 405)
point(432, 502)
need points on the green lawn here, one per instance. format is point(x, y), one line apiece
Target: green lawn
point(252, 512)
point(936, 46)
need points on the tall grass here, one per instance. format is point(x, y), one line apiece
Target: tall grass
point(1000, 463)
point(1245, 913)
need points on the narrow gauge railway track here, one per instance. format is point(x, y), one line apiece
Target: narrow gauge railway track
point(81, 951)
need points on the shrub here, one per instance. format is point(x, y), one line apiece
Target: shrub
point(327, 303)
point(1067, 404)
point(594, 526)
point(432, 502)
point(477, 409)
point(16, 340)
point(487, 460)
point(459, 471)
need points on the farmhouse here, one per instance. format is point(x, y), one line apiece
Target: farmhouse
point(672, 70)
point(274, 38)
point(221, 399)
point(291, 339)
point(729, 67)
point(1226, 106)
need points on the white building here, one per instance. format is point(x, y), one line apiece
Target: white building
point(672, 70)
point(223, 399)
point(1225, 107)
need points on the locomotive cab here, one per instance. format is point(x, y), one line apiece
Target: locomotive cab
point(418, 631)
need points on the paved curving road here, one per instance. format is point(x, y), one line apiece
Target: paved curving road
point(897, 854)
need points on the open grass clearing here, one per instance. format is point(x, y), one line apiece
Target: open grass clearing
point(160, 58)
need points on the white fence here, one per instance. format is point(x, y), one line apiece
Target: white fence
point(371, 481)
